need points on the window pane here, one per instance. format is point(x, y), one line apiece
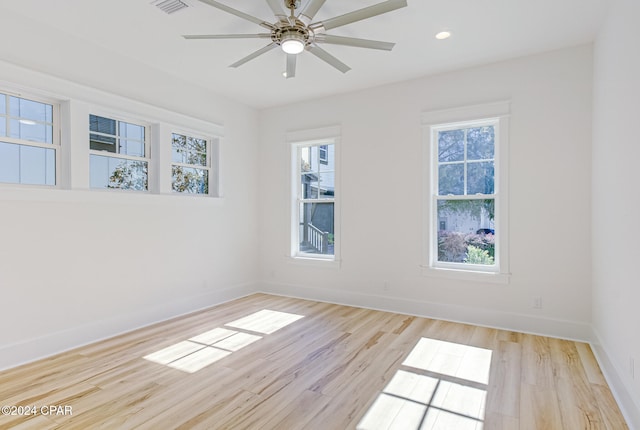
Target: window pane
point(305, 159)
point(9, 163)
point(102, 125)
point(30, 110)
point(451, 179)
point(99, 142)
point(451, 145)
point(189, 180)
point(480, 178)
point(3, 104)
point(188, 150)
point(131, 131)
point(178, 148)
point(132, 147)
point(31, 131)
point(112, 172)
point(326, 185)
point(3, 126)
point(309, 184)
point(329, 165)
point(21, 164)
point(37, 166)
point(316, 228)
point(480, 143)
point(466, 231)
point(196, 145)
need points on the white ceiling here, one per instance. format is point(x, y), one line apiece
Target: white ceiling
point(87, 40)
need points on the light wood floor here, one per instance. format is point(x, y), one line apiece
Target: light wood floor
point(266, 362)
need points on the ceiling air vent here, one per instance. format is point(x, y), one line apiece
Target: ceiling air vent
point(170, 6)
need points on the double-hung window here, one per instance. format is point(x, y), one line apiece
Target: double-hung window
point(29, 141)
point(467, 211)
point(190, 164)
point(119, 154)
point(314, 200)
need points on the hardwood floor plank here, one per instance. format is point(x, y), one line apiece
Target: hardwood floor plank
point(266, 362)
point(504, 380)
point(539, 408)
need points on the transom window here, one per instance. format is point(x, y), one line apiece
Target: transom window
point(118, 154)
point(314, 200)
point(191, 164)
point(29, 141)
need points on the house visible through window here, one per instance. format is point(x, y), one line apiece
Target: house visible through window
point(190, 167)
point(323, 154)
point(118, 154)
point(29, 143)
point(314, 202)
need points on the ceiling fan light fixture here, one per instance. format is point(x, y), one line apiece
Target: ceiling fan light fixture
point(292, 43)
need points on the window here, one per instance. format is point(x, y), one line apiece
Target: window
point(323, 154)
point(118, 154)
point(29, 141)
point(314, 205)
point(467, 214)
point(190, 167)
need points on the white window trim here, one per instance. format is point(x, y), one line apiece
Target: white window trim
point(56, 137)
point(296, 140)
point(148, 136)
point(432, 122)
point(213, 157)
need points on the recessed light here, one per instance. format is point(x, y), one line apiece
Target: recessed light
point(443, 35)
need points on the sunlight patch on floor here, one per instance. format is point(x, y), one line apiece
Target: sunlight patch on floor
point(265, 321)
point(210, 346)
point(441, 385)
point(462, 361)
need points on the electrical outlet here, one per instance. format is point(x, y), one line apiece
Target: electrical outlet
point(385, 287)
point(537, 302)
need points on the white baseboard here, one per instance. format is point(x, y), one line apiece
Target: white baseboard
point(29, 350)
point(551, 327)
point(629, 404)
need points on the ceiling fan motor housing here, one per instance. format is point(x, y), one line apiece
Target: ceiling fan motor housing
point(292, 4)
point(282, 34)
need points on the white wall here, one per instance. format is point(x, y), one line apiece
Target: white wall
point(381, 147)
point(78, 265)
point(616, 202)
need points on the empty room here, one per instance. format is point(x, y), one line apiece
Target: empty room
point(319, 214)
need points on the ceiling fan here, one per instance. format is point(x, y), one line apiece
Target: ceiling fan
point(296, 32)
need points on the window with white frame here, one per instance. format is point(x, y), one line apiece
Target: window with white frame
point(467, 212)
point(119, 154)
point(190, 164)
point(29, 141)
point(314, 199)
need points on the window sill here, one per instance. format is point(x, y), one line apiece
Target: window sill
point(466, 275)
point(314, 262)
point(11, 192)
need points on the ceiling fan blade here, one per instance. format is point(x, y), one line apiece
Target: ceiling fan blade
point(276, 7)
point(310, 11)
point(291, 65)
point(253, 55)
point(228, 36)
point(359, 15)
point(352, 41)
point(328, 58)
point(236, 12)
